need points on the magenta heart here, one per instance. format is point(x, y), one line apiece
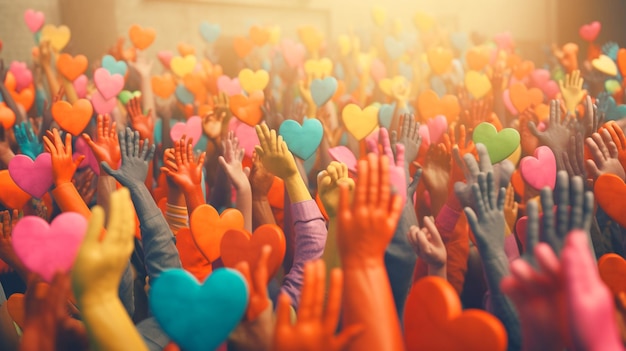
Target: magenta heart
point(34, 20)
point(344, 155)
point(551, 89)
point(48, 249)
point(246, 135)
point(540, 78)
point(506, 97)
point(228, 86)
point(539, 171)
point(504, 40)
point(292, 52)
point(165, 57)
point(34, 177)
point(437, 127)
point(101, 105)
point(109, 85)
point(589, 32)
point(80, 85)
point(191, 129)
point(23, 76)
point(90, 160)
point(378, 70)
point(425, 134)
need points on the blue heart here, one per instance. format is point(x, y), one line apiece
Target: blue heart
point(406, 71)
point(199, 317)
point(323, 89)
point(184, 96)
point(302, 140)
point(395, 48)
point(209, 32)
point(114, 66)
point(385, 114)
point(438, 85)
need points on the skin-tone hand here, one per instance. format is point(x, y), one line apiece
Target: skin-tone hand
point(479, 111)
point(528, 140)
point(398, 170)
point(556, 136)
point(619, 139)
point(574, 158)
point(83, 181)
point(63, 166)
point(567, 55)
point(315, 328)
point(604, 156)
point(511, 208)
point(428, 245)
point(462, 141)
point(135, 159)
point(144, 124)
point(238, 175)
point(7, 253)
point(328, 182)
point(6, 153)
point(572, 91)
point(305, 92)
point(215, 123)
point(27, 140)
point(106, 147)
point(591, 120)
point(260, 179)
point(436, 175)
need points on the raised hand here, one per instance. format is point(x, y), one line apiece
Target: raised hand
point(556, 136)
point(63, 166)
point(274, 154)
point(619, 139)
point(328, 183)
point(429, 246)
point(604, 155)
point(216, 120)
point(85, 185)
point(231, 162)
point(184, 168)
point(106, 147)
point(572, 91)
point(410, 138)
point(7, 253)
point(144, 124)
point(511, 208)
point(478, 111)
point(436, 174)
point(135, 159)
point(27, 140)
point(257, 283)
point(398, 170)
point(260, 179)
point(315, 327)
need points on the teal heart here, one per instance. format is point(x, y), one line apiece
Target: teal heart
point(124, 96)
point(209, 31)
point(323, 89)
point(158, 130)
point(183, 95)
point(339, 71)
point(385, 114)
point(612, 86)
point(438, 85)
point(37, 37)
point(500, 145)
point(303, 140)
point(40, 100)
point(113, 66)
point(395, 48)
point(198, 317)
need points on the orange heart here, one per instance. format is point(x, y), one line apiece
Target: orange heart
point(523, 69)
point(259, 36)
point(518, 183)
point(163, 86)
point(7, 116)
point(621, 61)
point(141, 37)
point(9, 81)
point(440, 60)
point(26, 97)
point(16, 308)
point(247, 109)
point(191, 258)
point(195, 84)
point(242, 46)
point(477, 58)
point(434, 320)
point(208, 228)
point(543, 112)
point(185, 49)
point(512, 61)
point(71, 67)
point(11, 195)
point(238, 246)
point(523, 98)
point(610, 192)
point(430, 105)
point(612, 269)
point(72, 118)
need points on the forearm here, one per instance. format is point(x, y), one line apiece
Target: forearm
point(8, 100)
point(220, 192)
point(193, 198)
point(331, 252)
point(69, 200)
point(53, 83)
point(70, 92)
point(147, 96)
point(297, 189)
point(106, 185)
point(261, 212)
point(244, 204)
point(6, 157)
point(455, 235)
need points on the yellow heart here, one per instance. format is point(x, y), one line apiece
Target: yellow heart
point(397, 27)
point(57, 36)
point(379, 15)
point(364, 62)
point(182, 66)
point(477, 84)
point(360, 123)
point(423, 21)
point(319, 68)
point(274, 34)
point(253, 81)
point(388, 86)
point(605, 65)
point(385, 85)
point(345, 45)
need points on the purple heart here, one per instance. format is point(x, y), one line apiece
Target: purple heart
point(34, 177)
point(23, 76)
point(228, 86)
point(191, 129)
point(109, 85)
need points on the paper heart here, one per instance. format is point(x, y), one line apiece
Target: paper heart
point(609, 191)
point(440, 60)
point(438, 85)
point(228, 86)
point(612, 86)
point(57, 36)
point(434, 320)
point(125, 96)
point(23, 76)
point(612, 269)
point(7, 116)
point(73, 118)
point(101, 105)
point(539, 171)
point(425, 134)
point(311, 38)
point(247, 109)
point(114, 66)
point(71, 67)
point(523, 98)
point(318, 68)
point(238, 246)
point(165, 57)
point(163, 86)
point(195, 84)
point(423, 21)
point(26, 97)
point(80, 86)
point(186, 310)
point(379, 15)
point(504, 40)
point(378, 70)
point(323, 90)
point(259, 36)
point(192, 129)
point(107, 84)
point(344, 155)
point(395, 48)
point(385, 114)
point(430, 105)
point(243, 46)
point(34, 20)
point(11, 196)
point(141, 37)
point(437, 127)
point(477, 84)
point(500, 145)
point(185, 49)
point(605, 65)
point(46, 249)
point(181, 66)
point(302, 140)
point(506, 98)
point(246, 134)
point(360, 123)
point(209, 31)
point(477, 58)
point(34, 177)
point(184, 95)
point(292, 52)
point(621, 61)
point(589, 32)
point(523, 69)
point(208, 227)
point(252, 81)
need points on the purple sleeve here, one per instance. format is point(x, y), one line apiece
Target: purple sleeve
point(310, 239)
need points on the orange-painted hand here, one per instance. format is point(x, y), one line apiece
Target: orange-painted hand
point(106, 147)
point(184, 168)
point(63, 166)
point(144, 124)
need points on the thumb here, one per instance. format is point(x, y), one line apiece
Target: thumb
point(79, 160)
point(105, 166)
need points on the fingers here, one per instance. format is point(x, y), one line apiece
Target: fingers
point(362, 184)
point(333, 307)
point(283, 311)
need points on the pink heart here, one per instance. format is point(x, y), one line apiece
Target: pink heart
point(165, 57)
point(551, 89)
point(101, 105)
point(228, 86)
point(23, 76)
point(47, 249)
point(34, 177)
point(436, 128)
point(344, 155)
point(378, 70)
point(540, 78)
point(90, 160)
point(109, 85)
point(504, 40)
point(506, 97)
point(34, 20)
point(292, 52)
point(246, 135)
point(539, 171)
point(80, 85)
point(191, 129)
point(589, 32)
point(425, 134)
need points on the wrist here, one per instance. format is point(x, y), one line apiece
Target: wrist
point(437, 270)
point(358, 261)
point(95, 298)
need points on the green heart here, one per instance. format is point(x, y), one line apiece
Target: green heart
point(612, 86)
point(500, 145)
point(124, 96)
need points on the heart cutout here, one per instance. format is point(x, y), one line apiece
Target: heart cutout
point(609, 191)
point(109, 85)
point(360, 123)
point(34, 20)
point(23, 76)
point(141, 37)
point(208, 228)
point(57, 36)
point(302, 140)
point(114, 66)
point(209, 31)
point(243, 46)
point(228, 86)
point(163, 86)
point(318, 68)
point(246, 134)
point(612, 268)
point(477, 84)
point(429, 105)
point(71, 67)
point(344, 155)
point(192, 128)
point(440, 60)
point(523, 98)
point(72, 118)
point(500, 145)
point(12, 196)
point(182, 66)
point(589, 32)
point(477, 58)
point(247, 109)
point(322, 90)
point(7, 116)
point(605, 64)
point(101, 105)
point(539, 171)
point(34, 177)
point(252, 81)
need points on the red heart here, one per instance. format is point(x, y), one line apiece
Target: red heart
point(72, 118)
point(589, 32)
point(610, 192)
point(11, 195)
point(247, 109)
point(208, 228)
point(238, 246)
point(612, 269)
